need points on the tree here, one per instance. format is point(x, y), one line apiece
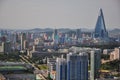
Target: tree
point(49, 78)
point(113, 65)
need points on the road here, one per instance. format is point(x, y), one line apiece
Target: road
point(24, 59)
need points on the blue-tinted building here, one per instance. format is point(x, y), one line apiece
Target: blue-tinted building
point(55, 36)
point(78, 34)
point(61, 69)
point(55, 33)
point(77, 66)
point(100, 29)
point(62, 39)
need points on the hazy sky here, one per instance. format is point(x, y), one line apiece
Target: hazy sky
point(28, 14)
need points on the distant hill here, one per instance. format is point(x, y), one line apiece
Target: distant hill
point(63, 30)
point(39, 30)
point(114, 31)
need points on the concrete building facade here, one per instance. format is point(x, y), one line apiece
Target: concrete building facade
point(95, 57)
point(115, 55)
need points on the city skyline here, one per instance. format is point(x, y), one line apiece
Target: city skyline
point(57, 14)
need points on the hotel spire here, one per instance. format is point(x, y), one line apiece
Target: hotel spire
point(100, 29)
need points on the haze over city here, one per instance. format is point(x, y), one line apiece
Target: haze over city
point(59, 40)
point(29, 14)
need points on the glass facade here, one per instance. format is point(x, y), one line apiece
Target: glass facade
point(77, 67)
point(61, 68)
point(100, 29)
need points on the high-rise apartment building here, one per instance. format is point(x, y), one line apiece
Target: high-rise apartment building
point(2, 47)
point(25, 44)
point(55, 36)
point(5, 47)
point(78, 34)
point(95, 63)
point(51, 63)
point(61, 69)
point(77, 66)
point(23, 38)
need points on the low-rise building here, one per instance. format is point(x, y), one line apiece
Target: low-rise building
point(115, 54)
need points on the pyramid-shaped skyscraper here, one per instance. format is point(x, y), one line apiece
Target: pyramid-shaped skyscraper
point(100, 29)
